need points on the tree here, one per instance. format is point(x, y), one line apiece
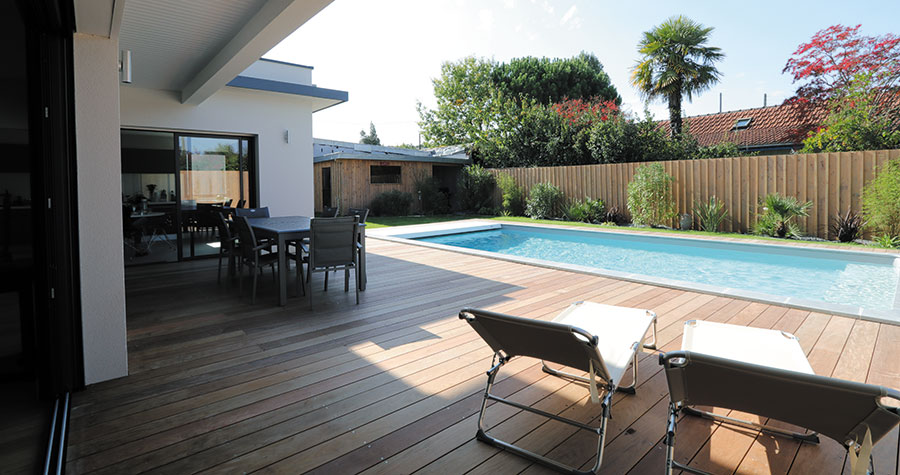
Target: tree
point(829, 62)
point(676, 63)
point(553, 80)
point(371, 138)
point(855, 121)
point(464, 92)
point(475, 96)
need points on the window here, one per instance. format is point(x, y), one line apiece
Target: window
point(742, 123)
point(385, 174)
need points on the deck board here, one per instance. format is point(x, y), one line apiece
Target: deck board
point(394, 385)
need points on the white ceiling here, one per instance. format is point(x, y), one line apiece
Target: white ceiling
point(172, 40)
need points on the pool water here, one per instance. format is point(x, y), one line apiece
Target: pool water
point(834, 277)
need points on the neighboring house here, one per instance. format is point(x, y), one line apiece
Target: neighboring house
point(196, 80)
point(350, 175)
point(767, 130)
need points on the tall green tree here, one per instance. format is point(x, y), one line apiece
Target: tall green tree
point(675, 63)
point(371, 138)
point(549, 80)
point(474, 94)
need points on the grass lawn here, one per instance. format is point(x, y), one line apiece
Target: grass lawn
point(381, 222)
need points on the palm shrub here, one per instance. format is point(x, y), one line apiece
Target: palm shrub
point(588, 211)
point(546, 201)
point(650, 196)
point(476, 189)
point(391, 203)
point(513, 203)
point(710, 215)
point(881, 200)
point(779, 215)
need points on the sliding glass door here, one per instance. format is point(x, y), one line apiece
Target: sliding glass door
point(173, 187)
point(214, 172)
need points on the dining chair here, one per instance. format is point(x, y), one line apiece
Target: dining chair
point(328, 212)
point(252, 212)
point(333, 244)
point(257, 255)
point(363, 213)
point(241, 203)
point(228, 244)
point(227, 203)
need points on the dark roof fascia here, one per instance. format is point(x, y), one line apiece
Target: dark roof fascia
point(247, 82)
point(390, 158)
point(287, 63)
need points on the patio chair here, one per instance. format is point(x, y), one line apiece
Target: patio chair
point(333, 244)
point(252, 212)
point(228, 244)
point(253, 255)
point(363, 213)
point(600, 340)
point(856, 415)
point(240, 203)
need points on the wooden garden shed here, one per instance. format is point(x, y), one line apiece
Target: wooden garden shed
point(350, 175)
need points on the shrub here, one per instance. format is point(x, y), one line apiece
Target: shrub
point(650, 196)
point(433, 200)
point(588, 211)
point(778, 216)
point(475, 188)
point(887, 242)
point(513, 195)
point(614, 216)
point(391, 203)
point(881, 200)
point(546, 201)
point(847, 227)
point(710, 215)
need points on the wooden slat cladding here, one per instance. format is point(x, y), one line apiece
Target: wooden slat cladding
point(394, 384)
point(832, 181)
point(351, 185)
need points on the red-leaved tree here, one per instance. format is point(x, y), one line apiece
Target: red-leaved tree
point(829, 62)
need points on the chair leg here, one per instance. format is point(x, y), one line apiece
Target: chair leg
point(309, 285)
point(241, 277)
point(326, 281)
point(346, 279)
point(356, 283)
point(253, 290)
point(219, 276)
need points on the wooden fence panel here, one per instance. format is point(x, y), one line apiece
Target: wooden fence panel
point(832, 181)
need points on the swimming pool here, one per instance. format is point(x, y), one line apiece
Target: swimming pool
point(835, 281)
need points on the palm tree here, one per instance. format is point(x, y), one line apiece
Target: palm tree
point(676, 62)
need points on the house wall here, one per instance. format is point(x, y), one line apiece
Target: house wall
point(99, 167)
point(285, 169)
point(351, 185)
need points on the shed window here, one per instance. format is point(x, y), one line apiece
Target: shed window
point(742, 123)
point(385, 174)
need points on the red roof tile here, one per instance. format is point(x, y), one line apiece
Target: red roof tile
point(782, 124)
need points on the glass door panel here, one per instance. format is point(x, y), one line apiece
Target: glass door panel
point(211, 175)
point(150, 232)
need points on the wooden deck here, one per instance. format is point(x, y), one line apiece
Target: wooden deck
point(394, 385)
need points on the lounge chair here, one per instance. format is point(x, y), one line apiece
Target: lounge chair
point(773, 382)
point(600, 340)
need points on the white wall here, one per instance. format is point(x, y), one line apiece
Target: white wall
point(285, 169)
point(99, 214)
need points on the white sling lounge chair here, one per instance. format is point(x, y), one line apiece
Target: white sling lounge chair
point(772, 381)
point(601, 340)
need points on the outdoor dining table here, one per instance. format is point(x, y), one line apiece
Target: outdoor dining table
point(285, 229)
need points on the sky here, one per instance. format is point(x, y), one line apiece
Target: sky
point(386, 53)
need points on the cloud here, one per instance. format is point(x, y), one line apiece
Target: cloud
point(570, 19)
point(486, 19)
point(509, 3)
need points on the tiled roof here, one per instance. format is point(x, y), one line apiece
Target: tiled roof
point(786, 124)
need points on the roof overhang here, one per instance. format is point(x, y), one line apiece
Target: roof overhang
point(320, 97)
point(391, 158)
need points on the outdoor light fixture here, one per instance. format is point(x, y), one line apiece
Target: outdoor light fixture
point(287, 136)
point(125, 66)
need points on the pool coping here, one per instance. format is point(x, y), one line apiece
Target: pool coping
point(408, 235)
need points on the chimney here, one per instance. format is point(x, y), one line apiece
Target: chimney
point(720, 103)
point(764, 99)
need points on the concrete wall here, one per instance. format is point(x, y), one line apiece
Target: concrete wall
point(285, 169)
point(99, 213)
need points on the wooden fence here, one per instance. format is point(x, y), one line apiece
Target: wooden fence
point(832, 181)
